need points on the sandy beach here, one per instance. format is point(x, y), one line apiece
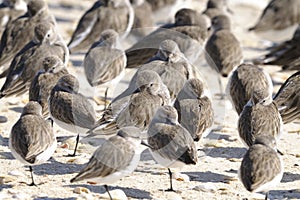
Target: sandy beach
point(220, 153)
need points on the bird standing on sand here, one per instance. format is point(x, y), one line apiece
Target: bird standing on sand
point(261, 168)
point(171, 145)
point(105, 61)
point(116, 158)
point(69, 109)
point(109, 14)
point(32, 140)
point(223, 50)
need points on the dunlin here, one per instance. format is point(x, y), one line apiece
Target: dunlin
point(116, 158)
point(261, 168)
point(170, 144)
point(29, 60)
point(45, 80)
point(21, 31)
point(142, 24)
point(260, 116)
point(109, 14)
point(138, 112)
point(171, 65)
point(69, 109)
point(243, 81)
point(288, 98)
point(286, 54)
point(105, 61)
point(32, 140)
point(279, 20)
point(223, 50)
point(194, 109)
point(120, 102)
point(189, 31)
point(9, 11)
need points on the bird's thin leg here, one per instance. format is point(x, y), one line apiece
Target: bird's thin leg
point(171, 184)
point(222, 94)
point(106, 188)
point(105, 98)
point(76, 145)
point(267, 195)
point(32, 179)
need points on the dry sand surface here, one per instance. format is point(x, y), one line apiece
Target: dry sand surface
point(214, 177)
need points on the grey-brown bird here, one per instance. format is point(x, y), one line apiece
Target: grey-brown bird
point(143, 18)
point(144, 77)
point(286, 54)
point(28, 61)
point(138, 112)
point(262, 168)
point(279, 20)
point(260, 116)
point(45, 80)
point(195, 112)
point(189, 31)
point(171, 145)
point(243, 81)
point(32, 140)
point(69, 109)
point(288, 99)
point(114, 159)
point(171, 65)
point(21, 31)
point(107, 14)
point(216, 7)
point(105, 62)
point(9, 11)
point(223, 50)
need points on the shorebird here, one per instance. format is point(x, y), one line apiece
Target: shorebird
point(142, 25)
point(261, 168)
point(116, 158)
point(163, 10)
point(195, 112)
point(285, 54)
point(21, 31)
point(279, 20)
point(243, 81)
point(138, 112)
point(105, 61)
point(28, 61)
point(108, 14)
point(145, 77)
point(171, 65)
point(11, 10)
point(223, 50)
point(45, 80)
point(69, 109)
point(171, 145)
point(288, 99)
point(189, 31)
point(260, 116)
point(32, 140)
point(216, 7)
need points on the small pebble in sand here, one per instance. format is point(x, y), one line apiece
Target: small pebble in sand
point(3, 119)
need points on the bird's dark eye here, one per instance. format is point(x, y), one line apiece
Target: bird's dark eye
point(48, 35)
point(276, 9)
point(151, 84)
